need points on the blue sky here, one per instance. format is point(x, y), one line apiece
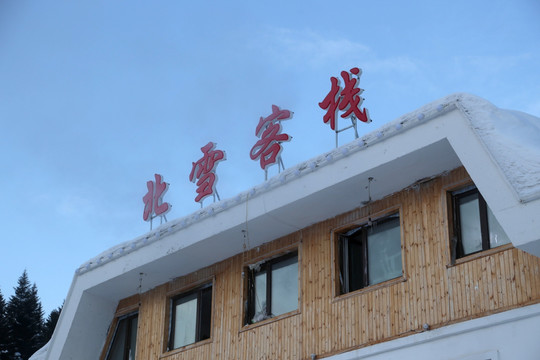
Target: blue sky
point(97, 96)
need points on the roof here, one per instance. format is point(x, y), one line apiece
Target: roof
point(500, 149)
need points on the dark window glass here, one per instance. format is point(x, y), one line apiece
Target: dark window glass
point(370, 254)
point(273, 288)
point(191, 317)
point(475, 226)
point(124, 342)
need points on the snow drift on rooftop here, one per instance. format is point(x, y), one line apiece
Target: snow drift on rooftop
point(513, 140)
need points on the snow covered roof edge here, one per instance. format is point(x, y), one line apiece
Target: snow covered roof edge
point(512, 138)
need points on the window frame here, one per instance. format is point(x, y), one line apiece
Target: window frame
point(343, 265)
point(175, 299)
point(457, 249)
point(127, 336)
point(266, 266)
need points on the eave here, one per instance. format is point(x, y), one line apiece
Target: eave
point(436, 138)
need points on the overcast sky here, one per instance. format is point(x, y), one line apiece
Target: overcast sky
point(98, 96)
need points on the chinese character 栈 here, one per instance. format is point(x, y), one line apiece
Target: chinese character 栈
point(345, 99)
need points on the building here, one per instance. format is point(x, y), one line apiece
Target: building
point(418, 241)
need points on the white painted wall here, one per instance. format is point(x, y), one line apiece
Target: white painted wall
point(511, 335)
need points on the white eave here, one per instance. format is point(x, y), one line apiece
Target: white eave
point(438, 137)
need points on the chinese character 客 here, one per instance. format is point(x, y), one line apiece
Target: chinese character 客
point(268, 148)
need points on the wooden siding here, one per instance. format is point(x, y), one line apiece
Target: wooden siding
point(432, 290)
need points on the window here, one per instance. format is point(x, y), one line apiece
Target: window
point(125, 339)
point(475, 226)
point(370, 254)
point(191, 315)
point(272, 288)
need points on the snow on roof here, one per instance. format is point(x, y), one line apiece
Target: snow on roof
point(499, 148)
point(513, 140)
point(511, 137)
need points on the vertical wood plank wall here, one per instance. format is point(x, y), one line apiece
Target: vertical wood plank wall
point(432, 291)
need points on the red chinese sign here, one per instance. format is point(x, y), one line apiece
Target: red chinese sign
point(268, 149)
point(204, 171)
point(153, 205)
point(345, 99)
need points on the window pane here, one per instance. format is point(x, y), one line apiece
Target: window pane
point(471, 235)
point(185, 320)
point(117, 348)
point(384, 252)
point(497, 236)
point(133, 339)
point(285, 286)
point(356, 265)
point(206, 314)
point(260, 297)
